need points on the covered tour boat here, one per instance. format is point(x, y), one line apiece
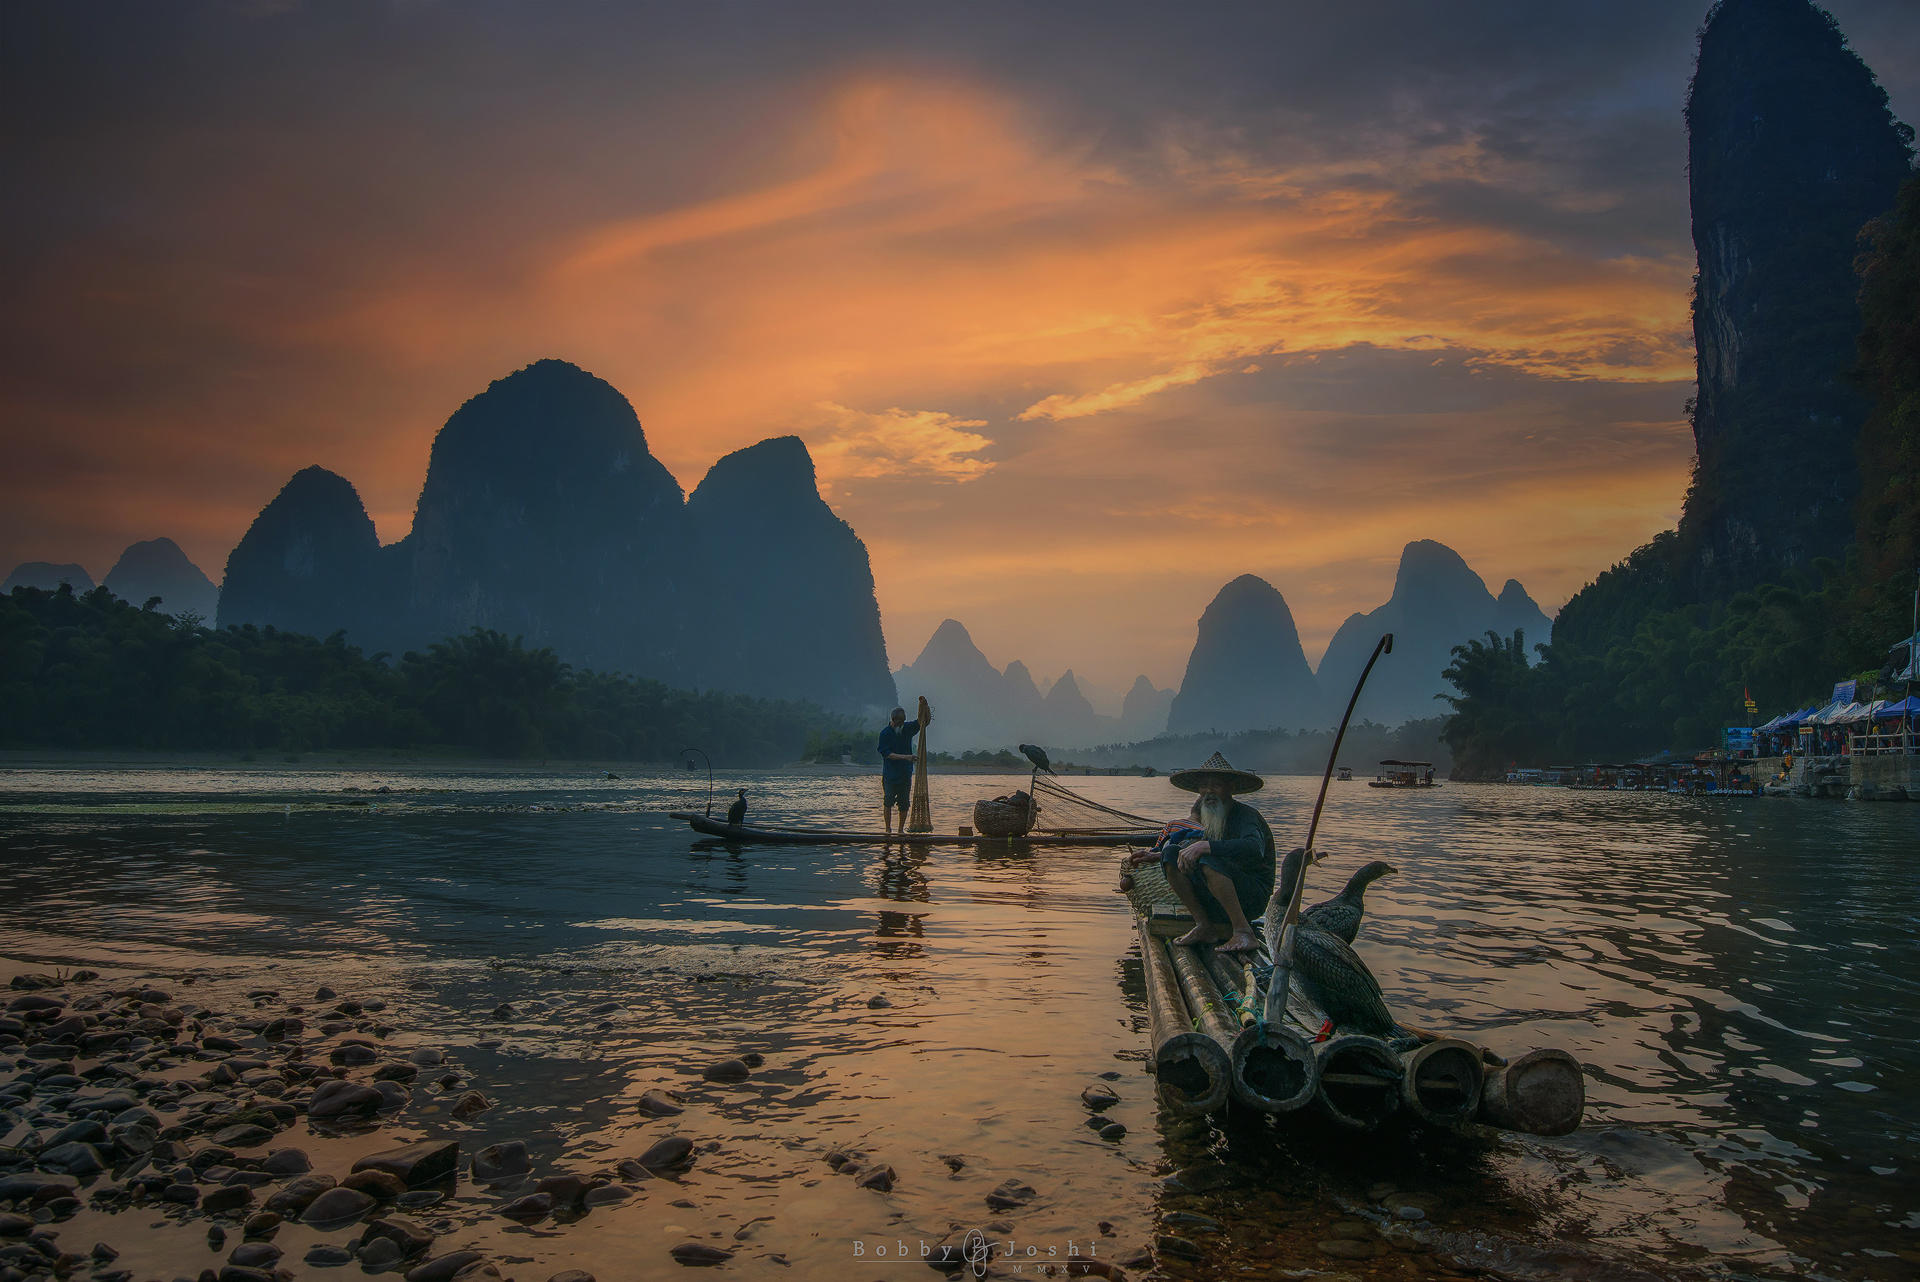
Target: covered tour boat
point(1403, 774)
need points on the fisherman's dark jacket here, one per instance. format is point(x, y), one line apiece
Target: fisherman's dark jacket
point(900, 740)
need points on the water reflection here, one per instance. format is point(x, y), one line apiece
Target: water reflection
point(1740, 976)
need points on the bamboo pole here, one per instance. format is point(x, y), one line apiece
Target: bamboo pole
point(1282, 918)
point(920, 816)
point(1210, 1013)
point(1191, 1070)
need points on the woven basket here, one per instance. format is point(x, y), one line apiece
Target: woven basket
point(1000, 819)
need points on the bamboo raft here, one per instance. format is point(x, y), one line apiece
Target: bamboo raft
point(1211, 1050)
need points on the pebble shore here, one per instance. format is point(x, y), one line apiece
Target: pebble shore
point(138, 1099)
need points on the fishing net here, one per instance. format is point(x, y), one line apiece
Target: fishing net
point(1060, 810)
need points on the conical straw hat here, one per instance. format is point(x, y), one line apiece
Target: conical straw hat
point(1216, 765)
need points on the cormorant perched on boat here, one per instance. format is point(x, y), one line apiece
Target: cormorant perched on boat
point(1341, 914)
point(1330, 972)
point(1038, 756)
point(737, 812)
point(1340, 983)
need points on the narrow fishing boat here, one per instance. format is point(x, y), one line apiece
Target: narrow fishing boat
point(748, 834)
point(1048, 814)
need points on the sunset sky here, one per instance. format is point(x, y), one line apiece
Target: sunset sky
point(1083, 309)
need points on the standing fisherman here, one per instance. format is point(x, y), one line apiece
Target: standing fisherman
point(896, 769)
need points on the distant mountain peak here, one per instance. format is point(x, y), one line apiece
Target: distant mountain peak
point(776, 470)
point(548, 433)
point(158, 568)
point(1438, 602)
point(314, 482)
point(1424, 562)
point(308, 561)
point(949, 641)
point(1246, 671)
point(48, 577)
point(1512, 594)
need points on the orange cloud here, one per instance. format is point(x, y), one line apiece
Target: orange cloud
point(923, 444)
point(924, 241)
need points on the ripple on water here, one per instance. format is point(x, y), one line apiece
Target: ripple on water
point(1728, 970)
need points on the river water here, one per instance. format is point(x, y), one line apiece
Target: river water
point(1738, 975)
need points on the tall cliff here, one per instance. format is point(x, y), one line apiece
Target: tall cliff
point(310, 562)
point(1247, 670)
point(544, 516)
point(1438, 602)
point(158, 568)
point(1791, 150)
point(786, 604)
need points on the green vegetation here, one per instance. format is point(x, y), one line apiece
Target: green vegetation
point(1276, 752)
point(999, 759)
point(92, 671)
point(1636, 667)
point(828, 747)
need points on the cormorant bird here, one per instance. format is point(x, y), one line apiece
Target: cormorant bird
point(1038, 756)
point(1330, 972)
point(1340, 983)
point(737, 812)
point(1341, 914)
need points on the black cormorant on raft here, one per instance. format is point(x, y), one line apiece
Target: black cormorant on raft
point(1341, 914)
point(737, 812)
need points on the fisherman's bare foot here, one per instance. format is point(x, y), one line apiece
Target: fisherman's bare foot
point(1202, 934)
point(1242, 941)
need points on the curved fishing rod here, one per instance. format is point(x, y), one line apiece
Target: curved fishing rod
point(687, 752)
point(1282, 977)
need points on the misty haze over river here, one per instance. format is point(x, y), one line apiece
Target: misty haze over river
point(1739, 976)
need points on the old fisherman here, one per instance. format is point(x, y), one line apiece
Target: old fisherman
point(1228, 871)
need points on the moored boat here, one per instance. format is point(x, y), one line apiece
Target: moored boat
point(1403, 774)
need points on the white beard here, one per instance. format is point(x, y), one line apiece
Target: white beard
point(1213, 816)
